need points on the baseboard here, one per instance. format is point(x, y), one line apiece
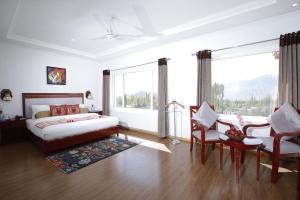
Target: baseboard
point(138, 130)
point(150, 132)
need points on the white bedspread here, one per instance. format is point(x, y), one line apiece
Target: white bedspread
point(60, 131)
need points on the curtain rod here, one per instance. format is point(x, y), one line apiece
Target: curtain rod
point(137, 65)
point(242, 45)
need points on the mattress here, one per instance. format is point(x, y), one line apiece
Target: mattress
point(59, 131)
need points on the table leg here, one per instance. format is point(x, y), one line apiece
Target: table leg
point(243, 156)
point(237, 154)
point(221, 155)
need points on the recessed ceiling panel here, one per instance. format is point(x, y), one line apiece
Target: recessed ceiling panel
point(76, 24)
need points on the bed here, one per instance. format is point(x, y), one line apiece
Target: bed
point(55, 133)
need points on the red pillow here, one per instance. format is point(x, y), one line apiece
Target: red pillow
point(58, 110)
point(73, 109)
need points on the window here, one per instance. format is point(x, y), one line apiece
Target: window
point(136, 89)
point(245, 85)
point(119, 90)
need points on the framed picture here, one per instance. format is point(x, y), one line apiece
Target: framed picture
point(56, 76)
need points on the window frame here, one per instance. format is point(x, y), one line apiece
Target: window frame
point(122, 73)
point(224, 116)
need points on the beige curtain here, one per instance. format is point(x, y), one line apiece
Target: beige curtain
point(106, 92)
point(289, 69)
point(163, 121)
point(203, 76)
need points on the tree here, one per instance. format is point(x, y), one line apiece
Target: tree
point(218, 97)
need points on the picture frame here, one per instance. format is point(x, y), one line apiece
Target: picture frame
point(56, 75)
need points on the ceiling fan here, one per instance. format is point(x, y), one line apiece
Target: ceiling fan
point(110, 31)
point(146, 29)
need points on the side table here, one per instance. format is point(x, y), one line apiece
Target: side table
point(12, 130)
point(238, 147)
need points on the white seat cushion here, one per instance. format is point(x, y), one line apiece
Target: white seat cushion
point(210, 135)
point(285, 146)
point(286, 119)
point(205, 115)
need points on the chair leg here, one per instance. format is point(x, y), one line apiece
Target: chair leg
point(257, 164)
point(221, 155)
point(298, 184)
point(202, 143)
point(213, 146)
point(191, 144)
point(232, 154)
point(275, 167)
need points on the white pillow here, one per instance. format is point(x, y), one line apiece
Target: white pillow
point(286, 119)
point(38, 108)
point(205, 115)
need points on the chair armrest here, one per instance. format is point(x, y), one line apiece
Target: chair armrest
point(277, 138)
point(226, 123)
point(254, 126)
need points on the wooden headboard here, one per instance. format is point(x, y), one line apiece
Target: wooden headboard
point(29, 99)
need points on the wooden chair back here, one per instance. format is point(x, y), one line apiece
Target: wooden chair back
point(194, 127)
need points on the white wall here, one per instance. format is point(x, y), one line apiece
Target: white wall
point(23, 69)
point(182, 67)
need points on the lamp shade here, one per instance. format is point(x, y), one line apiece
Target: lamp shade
point(6, 95)
point(88, 94)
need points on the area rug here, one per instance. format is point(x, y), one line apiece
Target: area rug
point(76, 158)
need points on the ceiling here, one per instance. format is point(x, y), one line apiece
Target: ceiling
point(72, 25)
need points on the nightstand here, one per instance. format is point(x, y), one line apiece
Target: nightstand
point(99, 112)
point(12, 131)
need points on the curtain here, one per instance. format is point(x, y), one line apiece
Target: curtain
point(289, 69)
point(203, 76)
point(106, 92)
point(163, 121)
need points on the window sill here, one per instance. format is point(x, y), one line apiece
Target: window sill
point(134, 110)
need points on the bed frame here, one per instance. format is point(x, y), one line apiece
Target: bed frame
point(69, 98)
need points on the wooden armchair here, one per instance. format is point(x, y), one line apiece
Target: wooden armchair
point(199, 132)
point(275, 147)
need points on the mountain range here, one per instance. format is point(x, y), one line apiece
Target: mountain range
point(259, 87)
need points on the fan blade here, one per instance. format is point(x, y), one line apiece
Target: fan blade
point(129, 24)
point(100, 20)
point(99, 38)
point(147, 27)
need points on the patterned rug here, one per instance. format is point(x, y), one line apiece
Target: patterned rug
point(75, 158)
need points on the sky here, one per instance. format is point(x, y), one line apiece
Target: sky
point(134, 82)
point(243, 68)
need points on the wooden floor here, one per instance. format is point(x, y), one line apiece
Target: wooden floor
point(155, 169)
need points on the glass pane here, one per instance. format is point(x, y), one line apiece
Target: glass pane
point(119, 90)
point(155, 88)
point(138, 86)
point(245, 85)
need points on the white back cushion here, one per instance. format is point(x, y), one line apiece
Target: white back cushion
point(82, 106)
point(205, 115)
point(286, 119)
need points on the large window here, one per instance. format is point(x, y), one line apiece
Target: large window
point(136, 89)
point(245, 85)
